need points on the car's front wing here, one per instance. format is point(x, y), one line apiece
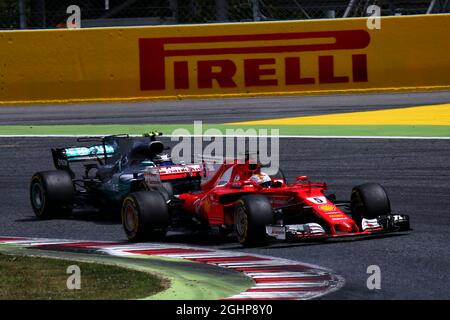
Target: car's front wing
point(383, 224)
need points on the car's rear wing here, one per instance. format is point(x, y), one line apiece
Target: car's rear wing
point(63, 156)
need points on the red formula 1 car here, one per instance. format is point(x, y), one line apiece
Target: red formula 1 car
point(229, 197)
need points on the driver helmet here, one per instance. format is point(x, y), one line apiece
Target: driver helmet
point(261, 178)
point(163, 159)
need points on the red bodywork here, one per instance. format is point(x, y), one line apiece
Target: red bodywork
point(215, 202)
point(175, 172)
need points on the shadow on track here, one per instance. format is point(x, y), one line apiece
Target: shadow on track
point(102, 218)
point(206, 237)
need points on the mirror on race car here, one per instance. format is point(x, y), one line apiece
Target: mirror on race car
point(301, 179)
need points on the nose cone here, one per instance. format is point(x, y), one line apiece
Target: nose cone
point(344, 226)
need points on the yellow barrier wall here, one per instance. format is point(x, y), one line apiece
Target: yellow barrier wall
point(225, 59)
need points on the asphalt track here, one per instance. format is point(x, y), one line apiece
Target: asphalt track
point(211, 110)
point(416, 174)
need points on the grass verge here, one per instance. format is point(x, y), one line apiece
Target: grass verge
point(27, 278)
point(294, 130)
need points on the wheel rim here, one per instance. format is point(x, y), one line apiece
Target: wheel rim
point(37, 196)
point(130, 218)
point(241, 222)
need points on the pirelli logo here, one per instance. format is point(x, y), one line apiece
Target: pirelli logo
point(255, 60)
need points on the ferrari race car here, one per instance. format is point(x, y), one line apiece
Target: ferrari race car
point(110, 170)
point(230, 198)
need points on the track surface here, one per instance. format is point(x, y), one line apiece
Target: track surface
point(416, 174)
point(212, 111)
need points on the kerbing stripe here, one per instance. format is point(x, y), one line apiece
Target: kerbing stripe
point(275, 278)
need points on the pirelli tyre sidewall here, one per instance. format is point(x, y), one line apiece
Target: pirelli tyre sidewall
point(51, 194)
point(165, 188)
point(369, 201)
point(251, 215)
point(142, 186)
point(145, 216)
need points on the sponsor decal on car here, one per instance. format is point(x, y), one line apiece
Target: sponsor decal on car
point(86, 153)
point(189, 169)
point(317, 200)
point(337, 215)
point(327, 207)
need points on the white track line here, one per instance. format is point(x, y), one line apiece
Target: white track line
point(258, 275)
point(237, 136)
point(290, 285)
point(272, 295)
point(273, 263)
point(203, 255)
point(258, 263)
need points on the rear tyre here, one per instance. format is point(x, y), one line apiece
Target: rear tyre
point(145, 216)
point(369, 201)
point(51, 194)
point(165, 188)
point(251, 215)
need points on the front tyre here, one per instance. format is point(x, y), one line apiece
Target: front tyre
point(251, 215)
point(51, 193)
point(369, 201)
point(145, 216)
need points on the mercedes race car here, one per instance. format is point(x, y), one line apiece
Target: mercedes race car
point(110, 170)
point(238, 196)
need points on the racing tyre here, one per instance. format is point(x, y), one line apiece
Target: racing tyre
point(145, 216)
point(251, 215)
point(164, 188)
point(51, 194)
point(369, 201)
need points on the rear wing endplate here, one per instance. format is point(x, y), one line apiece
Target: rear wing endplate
point(63, 156)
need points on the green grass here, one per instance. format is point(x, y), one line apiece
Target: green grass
point(296, 130)
point(26, 278)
